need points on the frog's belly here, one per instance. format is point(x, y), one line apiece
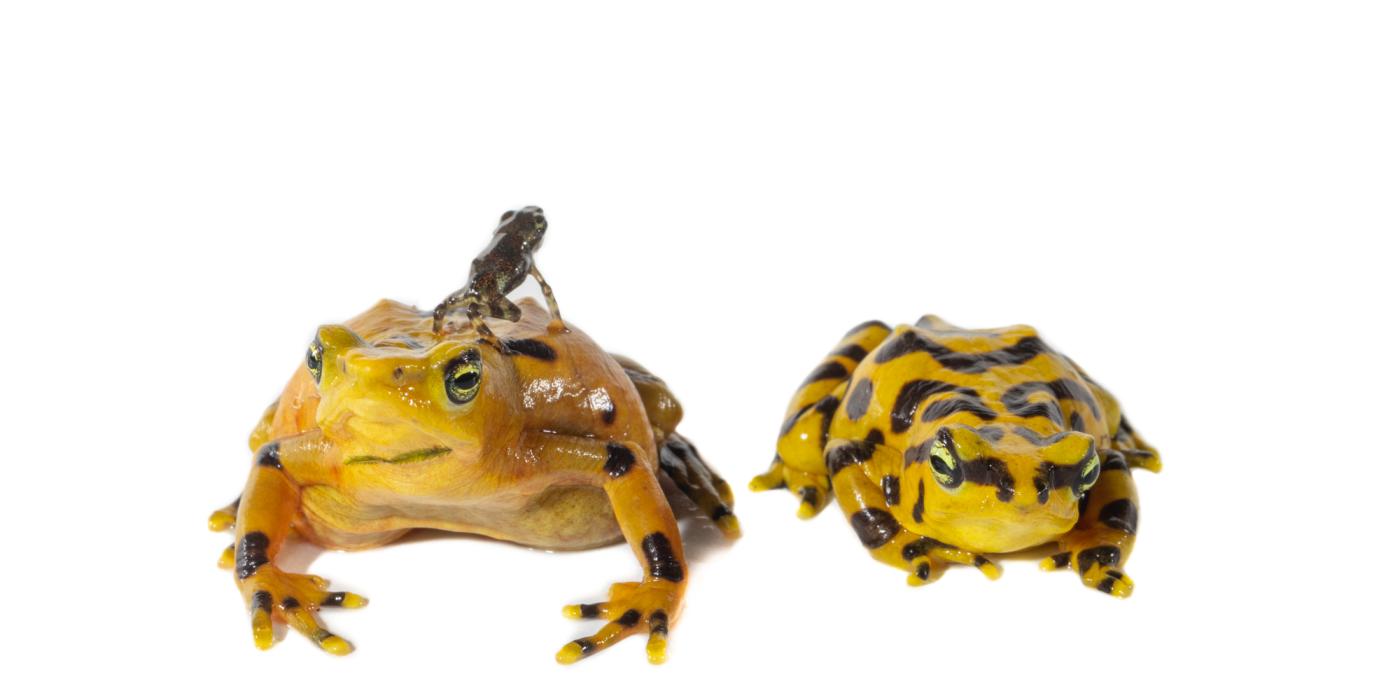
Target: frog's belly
point(560, 517)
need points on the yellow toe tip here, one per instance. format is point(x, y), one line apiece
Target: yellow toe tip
point(758, 484)
point(352, 600)
point(1047, 564)
point(573, 612)
point(336, 645)
point(806, 511)
point(219, 522)
point(729, 525)
point(569, 654)
point(992, 572)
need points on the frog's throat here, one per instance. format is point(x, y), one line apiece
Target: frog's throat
point(404, 458)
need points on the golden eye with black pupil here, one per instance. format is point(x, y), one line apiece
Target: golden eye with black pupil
point(946, 469)
point(315, 356)
point(1088, 475)
point(462, 377)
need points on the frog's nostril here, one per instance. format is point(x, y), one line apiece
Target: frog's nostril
point(398, 374)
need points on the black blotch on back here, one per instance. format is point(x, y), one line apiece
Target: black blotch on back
point(875, 437)
point(912, 394)
point(829, 370)
point(966, 362)
point(529, 347)
point(853, 351)
point(1015, 401)
point(1076, 421)
point(874, 527)
point(947, 407)
point(661, 558)
point(1120, 515)
point(858, 401)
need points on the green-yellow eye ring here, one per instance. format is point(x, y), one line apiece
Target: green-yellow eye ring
point(1088, 474)
point(944, 465)
point(315, 358)
point(462, 377)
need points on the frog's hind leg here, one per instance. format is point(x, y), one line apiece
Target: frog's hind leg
point(548, 292)
point(798, 463)
point(1099, 545)
point(699, 482)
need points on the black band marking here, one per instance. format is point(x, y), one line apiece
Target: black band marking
point(262, 600)
point(829, 370)
point(269, 455)
point(890, 485)
point(965, 362)
point(912, 394)
point(1120, 515)
point(918, 510)
point(1107, 556)
point(852, 351)
point(251, 554)
point(529, 347)
point(874, 527)
point(947, 407)
point(620, 460)
point(661, 558)
point(629, 618)
point(847, 454)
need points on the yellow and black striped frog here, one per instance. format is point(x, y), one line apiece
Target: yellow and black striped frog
point(943, 445)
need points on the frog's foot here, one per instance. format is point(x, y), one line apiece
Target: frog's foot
point(1097, 567)
point(224, 518)
point(926, 554)
point(812, 488)
point(294, 598)
point(706, 489)
point(630, 608)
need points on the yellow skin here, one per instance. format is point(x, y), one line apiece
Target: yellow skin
point(539, 437)
point(942, 444)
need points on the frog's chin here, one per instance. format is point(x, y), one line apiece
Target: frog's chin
point(996, 535)
point(365, 442)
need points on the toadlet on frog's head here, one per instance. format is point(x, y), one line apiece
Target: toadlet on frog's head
point(999, 488)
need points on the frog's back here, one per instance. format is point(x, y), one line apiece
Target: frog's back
point(1003, 376)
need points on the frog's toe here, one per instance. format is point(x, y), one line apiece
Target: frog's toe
point(630, 608)
point(295, 598)
point(1094, 571)
point(224, 518)
point(924, 570)
point(226, 558)
point(1108, 580)
point(812, 490)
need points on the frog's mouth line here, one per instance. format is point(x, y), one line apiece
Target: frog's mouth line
point(413, 456)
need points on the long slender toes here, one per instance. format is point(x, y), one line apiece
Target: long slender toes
point(586, 611)
point(609, 635)
point(303, 621)
point(659, 623)
point(344, 599)
point(262, 620)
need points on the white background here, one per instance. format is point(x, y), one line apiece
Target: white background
point(1196, 200)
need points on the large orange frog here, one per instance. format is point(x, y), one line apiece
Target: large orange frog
point(537, 436)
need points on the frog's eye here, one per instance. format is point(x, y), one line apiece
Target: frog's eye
point(315, 357)
point(945, 466)
point(1088, 474)
point(462, 377)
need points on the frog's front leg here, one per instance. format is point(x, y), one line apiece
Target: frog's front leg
point(865, 480)
point(1100, 542)
point(266, 510)
point(626, 473)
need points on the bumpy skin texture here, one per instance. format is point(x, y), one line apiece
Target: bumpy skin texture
point(943, 444)
point(537, 437)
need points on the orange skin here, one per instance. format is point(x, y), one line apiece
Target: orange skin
point(544, 439)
